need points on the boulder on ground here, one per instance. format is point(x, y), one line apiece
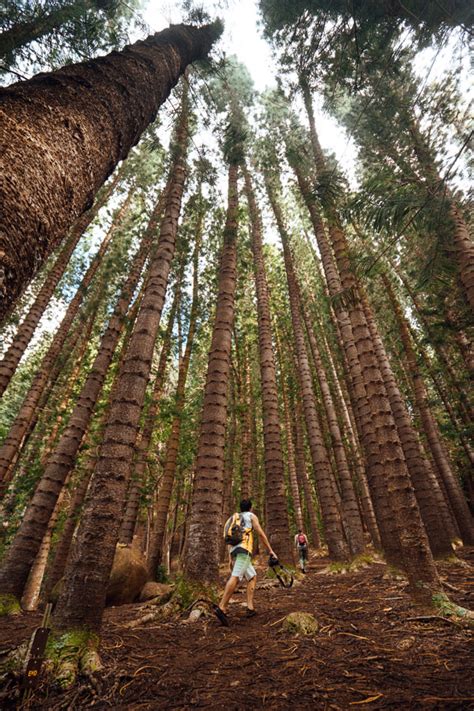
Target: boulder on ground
point(129, 575)
point(300, 623)
point(151, 590)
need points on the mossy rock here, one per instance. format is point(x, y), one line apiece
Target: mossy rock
point(300, 623)
point(9, 605)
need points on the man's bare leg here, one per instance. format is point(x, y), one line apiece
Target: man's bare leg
point(250, 592)
point(228, 592)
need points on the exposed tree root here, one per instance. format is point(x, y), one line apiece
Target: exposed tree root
point(9, 605)
point(181, 599)
point(71, 653)
point(449, 609)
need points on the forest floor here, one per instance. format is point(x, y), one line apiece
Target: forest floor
point(374, 650)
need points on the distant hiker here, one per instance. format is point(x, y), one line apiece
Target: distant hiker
point(238, 533)
point(301, 543)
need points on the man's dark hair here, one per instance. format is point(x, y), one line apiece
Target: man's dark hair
point(245, 505)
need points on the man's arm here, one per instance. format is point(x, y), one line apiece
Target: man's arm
point(261, 533)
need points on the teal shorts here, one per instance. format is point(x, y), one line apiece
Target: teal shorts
point(243, 567)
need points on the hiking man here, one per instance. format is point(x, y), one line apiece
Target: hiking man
point(240, 557)
point(301, 543)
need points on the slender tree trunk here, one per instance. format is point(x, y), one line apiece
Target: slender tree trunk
point(133, 501)
point(453, 488)
point(412, 552)
point(204, 535)
point(228, 506)
point(427, 492)
point(28, 538)
point(61, 552)
point(349, 498)
point(462, 242)
point(15, 437)
point(275, 498)
point(87, 115)
point(302, 472)
point(31, 593)
point(12, 357)
point(172, 446)
point(82, 601)
point(333, 529)
point(290, 450)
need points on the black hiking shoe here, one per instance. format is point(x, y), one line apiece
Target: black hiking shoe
point(221, 616)
point(250, 613)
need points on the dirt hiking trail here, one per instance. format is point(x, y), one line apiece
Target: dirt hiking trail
point(370, 652)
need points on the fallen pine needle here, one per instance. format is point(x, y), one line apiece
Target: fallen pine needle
point(357, 636)
point(366, 701)
point(276, 622)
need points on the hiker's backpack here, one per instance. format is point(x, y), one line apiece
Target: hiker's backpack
point(234, 530)
point(301, 540)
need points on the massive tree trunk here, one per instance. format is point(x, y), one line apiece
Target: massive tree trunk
point(15, 438)
point(204, 534)
point(64, 132)
point(333, 530)
point(430, 427)
point(172, 446)
point(13, 355)
point(29, 535)
point(275, 498)
point(82, 601)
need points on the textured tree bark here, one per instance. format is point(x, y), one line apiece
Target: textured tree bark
point(56, 570)
point(333, 530)
point(28, 538)
point(14, 438)
point(426, 489)
point(12, 357)
point(63, 133)
point(277, 526)
point(302, 472)
point(172, 446)
point(127, 527)
point(31, 593)
point(430, 427)
point(375, 471)
point(82, 601)
point(204, 534)
point(290, 449)
point(462, 242)
point(412, 552)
